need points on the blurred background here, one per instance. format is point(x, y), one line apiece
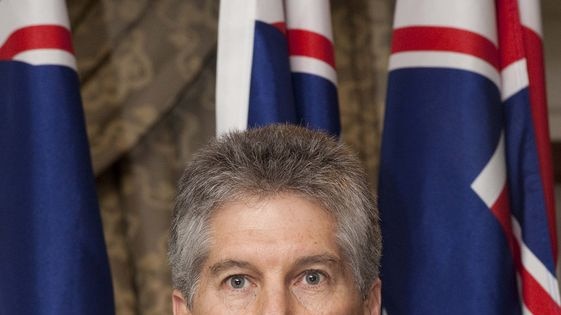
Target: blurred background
point(148, 79)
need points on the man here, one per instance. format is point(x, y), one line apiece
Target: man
point(276, 220)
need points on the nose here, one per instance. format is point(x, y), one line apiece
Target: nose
point(276, 301)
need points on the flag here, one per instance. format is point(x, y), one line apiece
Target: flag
point(465, 191)
point(53, 258)
point(276, 65)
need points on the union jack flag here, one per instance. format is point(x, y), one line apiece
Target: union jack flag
point(51, 242)
point(466, 189)
point(276, 65)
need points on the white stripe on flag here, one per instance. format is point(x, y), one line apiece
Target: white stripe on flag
point(270, 11)
point(514, 78)
point(310, 15)
point(313, 66)
point(477, 16)
point(530, 15)
point(47, 57)
point(15, 14)
point(534, 266)
point(440, 59)
point(491, 181)
point(233, 69)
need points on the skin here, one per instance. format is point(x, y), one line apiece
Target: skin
point(276, 256)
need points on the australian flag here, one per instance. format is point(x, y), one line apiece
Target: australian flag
point(465, 191)
point(276, 65)
point(52, 253)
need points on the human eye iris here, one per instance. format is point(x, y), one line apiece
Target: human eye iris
point(237, 282)
point(313, 277)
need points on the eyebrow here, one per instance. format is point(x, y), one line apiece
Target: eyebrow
point(326, 259)
point(228, 264)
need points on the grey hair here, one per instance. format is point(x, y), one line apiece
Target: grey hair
point(264, 162)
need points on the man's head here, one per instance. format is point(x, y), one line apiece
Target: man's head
point(279, 216)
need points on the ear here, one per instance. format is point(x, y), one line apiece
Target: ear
point(373, 302)
point(179, 304)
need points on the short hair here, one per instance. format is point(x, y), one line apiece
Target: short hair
point(264, 162)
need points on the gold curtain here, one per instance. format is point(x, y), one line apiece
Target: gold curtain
point(148, 76)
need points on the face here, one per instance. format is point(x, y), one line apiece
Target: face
point(276, 256)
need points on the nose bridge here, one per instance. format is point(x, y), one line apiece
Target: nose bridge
point(276, 301)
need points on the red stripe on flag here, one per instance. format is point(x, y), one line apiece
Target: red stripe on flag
point(36, 37)
point(509, 27)
point(538, 106)
point(445, 39)
point(310, 44)
point(281, 26)
point(501, 210)
point(535, 297)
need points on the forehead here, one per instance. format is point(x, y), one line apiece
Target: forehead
point(265, 230)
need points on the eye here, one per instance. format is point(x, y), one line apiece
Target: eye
point(237, 282)
point(314, 277)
